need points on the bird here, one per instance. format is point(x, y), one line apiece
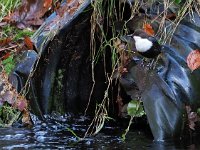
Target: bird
point(144, 44)
point(147, 46)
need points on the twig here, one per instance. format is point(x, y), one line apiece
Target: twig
point(7, 48)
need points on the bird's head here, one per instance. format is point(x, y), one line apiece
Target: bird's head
point(141, 42)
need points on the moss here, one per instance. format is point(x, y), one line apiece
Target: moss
point(9, 64)
point(58, 92)
point(8, 115)
point(15, 33)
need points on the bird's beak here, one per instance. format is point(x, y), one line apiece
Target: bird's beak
point(129, 41)
point(126, 38)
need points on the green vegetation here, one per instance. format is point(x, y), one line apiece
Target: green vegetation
point(178, 1)
point(135, 109)
point(8, 115)
point(73, 133)
point(15, 33)
point(105, 12)
point(104, 17)
point(9, 64)
point(7, 6)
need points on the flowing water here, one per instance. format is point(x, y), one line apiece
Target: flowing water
point(53, 134)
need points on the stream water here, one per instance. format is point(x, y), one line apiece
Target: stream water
point(53, 134)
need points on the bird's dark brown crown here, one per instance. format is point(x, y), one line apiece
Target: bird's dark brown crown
point(140, 33)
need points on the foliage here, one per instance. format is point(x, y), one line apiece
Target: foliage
point(9, 64)
point(73, 133)
point(8, 115)
point(178, 1)
point(7, 6)
point(104, 16)
point(22, 33)
point(11, 102)
point(134, 109)
point(15, 33)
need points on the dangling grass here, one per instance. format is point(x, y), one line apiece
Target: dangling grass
point(104, 16)
point(168, 27)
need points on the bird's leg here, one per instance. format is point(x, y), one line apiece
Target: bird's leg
point(155, 62)
point(151, 66)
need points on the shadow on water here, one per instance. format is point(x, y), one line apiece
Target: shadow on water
point(53, 134)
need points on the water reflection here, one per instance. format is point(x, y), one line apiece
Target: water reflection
point(53, 134)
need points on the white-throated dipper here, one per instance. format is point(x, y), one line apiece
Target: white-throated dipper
point(143, 43)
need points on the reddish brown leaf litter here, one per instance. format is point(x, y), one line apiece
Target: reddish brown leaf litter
point(8, 46)
point(5, 56)
point(193, 60)
point(11, 96)
point(30, 13)
point(71, 6)
point(5, 41)
point(28, 43)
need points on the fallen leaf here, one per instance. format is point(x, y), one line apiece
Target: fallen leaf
point(148, 29)
point(69, 1)
point(30, 13)
point(171, 16)
point(5, 56)
point(193, 60)
point(47, 3)
point(28, 42)
point(5, 41)
point(21, 104)
point(26, 119)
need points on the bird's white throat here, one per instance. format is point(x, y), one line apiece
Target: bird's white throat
point(142, 45)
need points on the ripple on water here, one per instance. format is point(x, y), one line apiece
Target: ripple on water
point(53, 134)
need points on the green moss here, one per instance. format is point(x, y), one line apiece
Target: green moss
point(22, 33)
point(9, 64)
point(17, 34)
point(57, 93)
point(8, 115)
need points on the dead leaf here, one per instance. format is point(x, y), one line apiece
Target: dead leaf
point(30, 13)
point(171, 16)
point(193, 60)
point(148, 29)
point(28, 42)
point(5, 56)
point(4, 42)
point(26, 119)
point(21, 104)
point(47, 3)
point(10, 95)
